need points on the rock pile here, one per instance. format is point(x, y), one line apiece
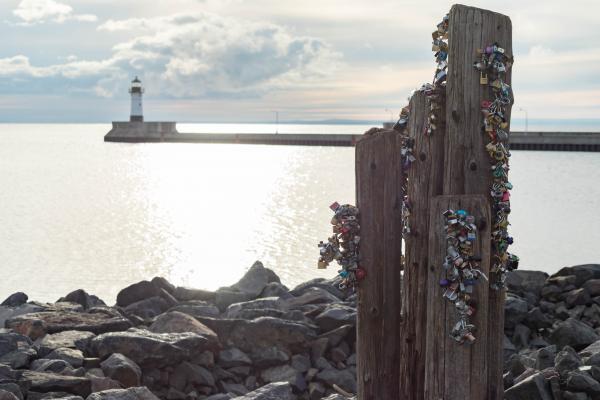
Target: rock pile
point(552, 328)
point(254, 340)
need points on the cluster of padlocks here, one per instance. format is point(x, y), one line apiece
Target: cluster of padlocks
point(492, 67)
point(462, 271)
point(343, 245)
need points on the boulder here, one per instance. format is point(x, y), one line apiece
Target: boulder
point(545, 357)
point(592, 286)
point(148, 349)
point(255, 280)
point(343, 378)
point(12, 388)
point(224, 297)
point(100, 383)
point(137, 292)
point(233, 388)
point(284, 373)
point(334, 316)
point(46, 365)
point(566, 360)
point(582, 273)
point(7, 313)
point(177, 322)
point(262, 332)
point(313, 295)
point(577, 297)
point(66, 339)
point(148, 308)
point(122, 369)
point(187, 373)
point(272, 391)
point(15, 300)
point(335, 336)
point(188, 294)
point(331, 285)
point(233, 310)
point(16, 350)
point(72, 356)
point(579, 381)
point(164, 284)
point(136, 393)
point(197, 309)
point(534, 387)
point(49, 382)
point(573, 333)
point(82, 298)
point(275, 289)
point(269, 357)
point(515, 311)
point(35, 325)
point(522, 282)
point(233, 357)
point(6, 395)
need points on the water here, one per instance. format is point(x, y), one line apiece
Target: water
point(80, 213)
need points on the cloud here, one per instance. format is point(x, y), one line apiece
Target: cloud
point(200, 55)
point(39, 11)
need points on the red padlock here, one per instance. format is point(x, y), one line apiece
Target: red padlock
point(360, 274)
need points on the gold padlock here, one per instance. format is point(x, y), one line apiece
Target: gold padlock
point(483, 79)
point(322, 265)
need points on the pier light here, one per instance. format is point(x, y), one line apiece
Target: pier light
point(136, 91)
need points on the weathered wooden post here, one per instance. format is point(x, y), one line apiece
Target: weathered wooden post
point(379, 198)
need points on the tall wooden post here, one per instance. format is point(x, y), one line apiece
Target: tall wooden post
point(467, 162)
point(379, 198)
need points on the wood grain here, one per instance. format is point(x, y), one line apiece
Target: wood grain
point(379, 198)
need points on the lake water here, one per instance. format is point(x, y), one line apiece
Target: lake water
point(76, 212)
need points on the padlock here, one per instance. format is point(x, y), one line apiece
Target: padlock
point(483, 79)
point(322, 265)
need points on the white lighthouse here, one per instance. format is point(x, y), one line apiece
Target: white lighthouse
point(136, 91)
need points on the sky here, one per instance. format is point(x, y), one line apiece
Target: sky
point(242, 60)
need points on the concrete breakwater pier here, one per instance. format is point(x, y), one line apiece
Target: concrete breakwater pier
point(141, 132)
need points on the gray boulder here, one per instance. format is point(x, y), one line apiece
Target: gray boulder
point(46, 365)
point(187, 373)
point(284, 373)
point(234, 310)
point(582, 273)
point(577, 297)
point(148, 349)
point(148, 308)
point(343, 378)
point(579, 381)
point(331, 285)
point(122, 369)
point(72, 356)
point(15, 300)
point(224, 297)
point(197, 309)
point(269, 357)
point(272, 391)
point(545, 357)
point(534, 387)
point(66, 339)
point(49, 382)
point(177, 322)
point(255, 280)
point(137, 393)
point(16, 350)
point(515, 311)
point(334, 316)
point(137, 292)
point(188, 294)
point(567, 360)
point(6, 395)
point(573, 333)
point(275, 289)
point(82, 298)
point(233, 357)
point(522, 282)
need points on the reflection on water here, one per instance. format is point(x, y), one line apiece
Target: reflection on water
point(77, 212)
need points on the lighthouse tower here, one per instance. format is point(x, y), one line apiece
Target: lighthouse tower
point(136, 91)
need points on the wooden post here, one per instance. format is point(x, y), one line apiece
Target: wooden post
point(467, 164)
point(425, 180)
point(379, 198)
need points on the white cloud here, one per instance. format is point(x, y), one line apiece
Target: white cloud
point(38, 11)
point(196, 55)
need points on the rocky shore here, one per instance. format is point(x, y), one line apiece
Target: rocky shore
point(257, 339)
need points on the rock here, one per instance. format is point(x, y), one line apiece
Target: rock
point(522, 282)
point(521, 336)
point(337, 335)
point(16, 350)
point(148, 349)
point(48, 382)
point(255, 280)
point(343, 378)
point(82, 298)
point(66, 339)
point(36, 325)
point(122, 369)
point(6, 395)
point(316, 391)
point(577, 297)
point(573, 333)
point(508, 348)
point(567, 395)
point(46, 365)
point(338, 355)
point(545, 357)
point(269, 357)
point(334, 316)
point(100, 383)
point(330, 285)
point(234, 310)
point(224, 297)
point(592, 314)
point(164, 284)
point(578, 381)
point(7, 313)
point(233, 357)
point(137, 393)
point(177, 322)
point(52, 395)
point(272, 391)
point(187, 294)
point(72, 356)
point(566, 360)
point(220, 396)
point(262, 332)
point(15, 300)
point(318, 348)
point(313, 295)
point(515, 311)
point(592, 287)
point(284, 373)
point(582, 273)
point(275, 289)
point(562, 312)
point(534, 387)
point(187, 373)
point(197, 309)
point(551, 292)
point(148, 308)
point(12, 388)
point(577, 311)
point(538, 319)
point(301, 362)
point(137, 292)
point(592, 349)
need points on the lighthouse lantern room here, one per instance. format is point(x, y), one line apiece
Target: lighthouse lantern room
point(136, 91)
